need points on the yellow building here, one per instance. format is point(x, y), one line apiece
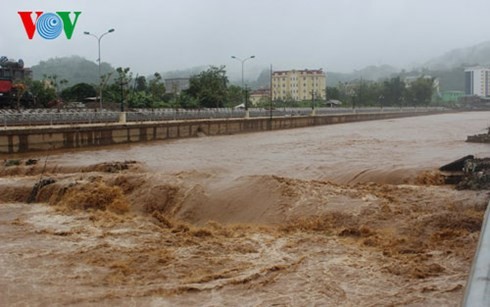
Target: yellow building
point(260, 95)
point(299, 85)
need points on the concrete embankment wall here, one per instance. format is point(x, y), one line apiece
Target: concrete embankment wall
point(29, 139)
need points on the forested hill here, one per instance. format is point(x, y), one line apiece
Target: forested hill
point(74, 69)
point(448, 68)
point(471, 56)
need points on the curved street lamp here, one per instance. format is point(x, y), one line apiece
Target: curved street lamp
point(99, 60)
point(243, 89)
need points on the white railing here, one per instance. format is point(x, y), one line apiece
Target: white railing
point(34, 117)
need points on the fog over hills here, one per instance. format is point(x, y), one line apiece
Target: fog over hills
point(470, 56)
point(448, 67)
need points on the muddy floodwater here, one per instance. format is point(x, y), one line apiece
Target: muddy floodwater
point(343, 215)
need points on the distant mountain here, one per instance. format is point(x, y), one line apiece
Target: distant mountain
point(449, 68)
point(373, 73)
point(183, 73)
point(74, 69)
point(463, 57)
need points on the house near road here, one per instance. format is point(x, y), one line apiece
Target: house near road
point(256, 96)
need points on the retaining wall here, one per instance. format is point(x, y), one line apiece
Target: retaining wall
point(29, 139)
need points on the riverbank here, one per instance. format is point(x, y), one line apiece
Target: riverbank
point(45, 138)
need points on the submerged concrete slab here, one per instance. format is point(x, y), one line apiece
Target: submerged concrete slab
point(478, 287)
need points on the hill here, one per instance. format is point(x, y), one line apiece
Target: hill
point(449, 68)
point(74, 69)
point(463, 57)
point(373, 73)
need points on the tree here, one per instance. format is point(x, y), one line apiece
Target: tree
point(234, 96)
point(264, 102)
point(421, 91)
point(20, 90)
point(156, 88)
point(43, 94)
point(141, 85)
point(140, 100)
point(210, 87)
point(124, 77)
point(186, 101)
point(393, 91)
point(333, 93)
point(371, 91)
point(78, 92)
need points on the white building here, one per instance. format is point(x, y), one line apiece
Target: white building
point(477, 81)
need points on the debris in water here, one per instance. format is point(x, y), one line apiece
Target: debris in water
point(37, 187)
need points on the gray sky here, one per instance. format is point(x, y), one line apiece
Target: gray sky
point(341, 35)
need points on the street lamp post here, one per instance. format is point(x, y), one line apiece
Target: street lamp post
point(243, 90)
point(99, 60)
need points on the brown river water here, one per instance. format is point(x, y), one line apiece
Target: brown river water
point(350, 214)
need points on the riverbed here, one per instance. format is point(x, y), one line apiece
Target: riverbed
point(348, 214)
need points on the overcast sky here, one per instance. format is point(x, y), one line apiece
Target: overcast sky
point(340, 35)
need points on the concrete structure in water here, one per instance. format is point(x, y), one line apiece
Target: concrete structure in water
point(477, 293)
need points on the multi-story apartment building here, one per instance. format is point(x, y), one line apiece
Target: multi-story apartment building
point(477, 81)
point(299, 85)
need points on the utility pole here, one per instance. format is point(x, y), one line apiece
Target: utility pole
point(243, 80)
point(313, 111)
point(270, 95)
point(101, 82)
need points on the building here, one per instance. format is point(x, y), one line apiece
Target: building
point(260, 95)
point(452, 96)
point(477, 81)
point(299, 85)
point(176, 85)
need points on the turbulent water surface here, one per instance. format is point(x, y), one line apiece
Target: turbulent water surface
point(350, 214)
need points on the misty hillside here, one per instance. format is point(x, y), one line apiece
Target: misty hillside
point(77, 69)
point(74, 69)
point(471, 56)
point(373, 73)
point(183, 73)
point(448, 68)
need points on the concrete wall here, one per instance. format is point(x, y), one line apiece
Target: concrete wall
point(28, 139)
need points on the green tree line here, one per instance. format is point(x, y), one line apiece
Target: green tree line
point(211, 89)
point(390, 92)
point(208, 89)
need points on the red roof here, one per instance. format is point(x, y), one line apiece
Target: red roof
point(5, 86)
point(307, 71)
point(262, 91)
